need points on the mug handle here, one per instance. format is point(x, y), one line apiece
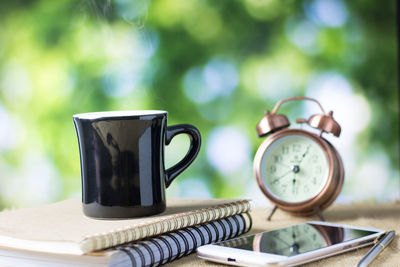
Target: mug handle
point(195, 142)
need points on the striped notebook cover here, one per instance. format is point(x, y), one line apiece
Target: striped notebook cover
point(148, 252)
point(63, 228)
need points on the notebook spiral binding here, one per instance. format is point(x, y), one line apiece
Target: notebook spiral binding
point(174, 245)
point(156, 227)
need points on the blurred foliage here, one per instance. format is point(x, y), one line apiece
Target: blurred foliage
point(208, 63)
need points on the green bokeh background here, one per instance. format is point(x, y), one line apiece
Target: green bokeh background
point(214, 64)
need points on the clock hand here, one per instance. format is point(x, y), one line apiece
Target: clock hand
point(296, 168)
point(280, 177)
point(307, 150)
point(294, 184)
point(304, 154)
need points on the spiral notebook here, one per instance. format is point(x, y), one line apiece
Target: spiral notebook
point(63, 228)
point(148, 252)
point(168, 247)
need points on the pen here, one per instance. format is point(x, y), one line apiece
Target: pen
point(375, 250)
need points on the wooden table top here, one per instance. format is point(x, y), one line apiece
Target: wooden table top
point(363, 214)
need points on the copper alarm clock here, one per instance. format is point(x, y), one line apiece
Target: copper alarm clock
point(299, 171)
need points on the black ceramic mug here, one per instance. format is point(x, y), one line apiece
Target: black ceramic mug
point(122, 161)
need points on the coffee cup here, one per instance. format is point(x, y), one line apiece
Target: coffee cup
point(122, 161)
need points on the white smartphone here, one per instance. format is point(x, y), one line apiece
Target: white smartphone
point(290, 246)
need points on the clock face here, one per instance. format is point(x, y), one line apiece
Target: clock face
point(294, 168)
point(292, 240)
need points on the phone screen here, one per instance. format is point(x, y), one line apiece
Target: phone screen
point(296, 239)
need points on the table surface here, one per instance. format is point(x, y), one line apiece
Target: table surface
point(364, 214)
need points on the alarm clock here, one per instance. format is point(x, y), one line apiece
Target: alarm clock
point(299, 171)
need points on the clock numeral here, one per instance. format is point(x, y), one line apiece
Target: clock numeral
point(277, 158)
point(314, 237)
point(285, 150)
point(296, 147)
point(315, 180)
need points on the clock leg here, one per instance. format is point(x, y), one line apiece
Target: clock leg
point(319, 214)
point(271, 213)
